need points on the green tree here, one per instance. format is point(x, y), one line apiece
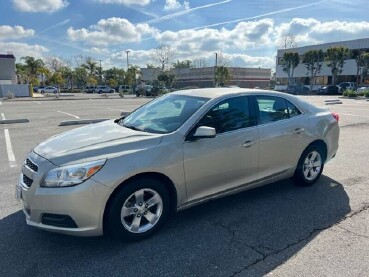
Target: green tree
point(112, 82)
point(115, 74)
point(22, 73)
point(364, 62)
point(91, 66)
point(222, 76)
point(131, 74)
point(166, 78)
point(335, 59)
point(290, 61)
point(313, 61)
point(32, 65)
point(57, 79)
point(80, 76)
point(182, 64)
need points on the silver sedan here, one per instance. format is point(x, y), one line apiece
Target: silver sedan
point(179, 150)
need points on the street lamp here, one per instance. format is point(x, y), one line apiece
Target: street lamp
point(215, 68)
point(100, 72)
point(127, 51)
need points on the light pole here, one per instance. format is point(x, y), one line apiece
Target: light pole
point(100, 72)
point(215, 68)
point(127, 51)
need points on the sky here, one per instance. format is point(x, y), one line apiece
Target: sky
point(244, 32)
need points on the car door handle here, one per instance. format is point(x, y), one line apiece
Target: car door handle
point(298, 131)
point(248, 144)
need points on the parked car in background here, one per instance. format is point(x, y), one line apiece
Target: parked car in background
point(362, 89)
point(38, 89)
point(346, 85)
point(127, 175)
point(104, 89)
point(125, 89)
point(328, 90)
point(297, 89)
point(49, 89)
point(147, 90)
point(90, 89)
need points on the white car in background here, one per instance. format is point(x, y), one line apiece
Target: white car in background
point(104, 89)
point(49, 89)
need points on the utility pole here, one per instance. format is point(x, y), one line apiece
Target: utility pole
point(127, 51)
point(215, 68)
point(100, 72)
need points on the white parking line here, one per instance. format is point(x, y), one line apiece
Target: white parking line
point(3, 116)
point(9, 149)
point(114, 109)
point(69, 114)
point(38, 102)
point(0, 103)
point(353, 115)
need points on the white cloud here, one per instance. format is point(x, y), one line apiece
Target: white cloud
point(49, 6)
point(243, 36)
point(23, 49)
point(8, 32)
point(175, 5)
point(111, 31)
point(126, 2)
point(312, 31)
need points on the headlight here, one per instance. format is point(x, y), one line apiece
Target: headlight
point(71, 175)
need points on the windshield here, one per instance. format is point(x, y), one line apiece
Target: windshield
point(165, 114)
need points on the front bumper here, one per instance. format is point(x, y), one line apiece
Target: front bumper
point(83, 203)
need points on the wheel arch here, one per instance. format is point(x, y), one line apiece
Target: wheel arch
point(321, 144)
point(156, 175)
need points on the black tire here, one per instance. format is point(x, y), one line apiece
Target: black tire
point(114, 223)
point(42, 92)
point(299, 177)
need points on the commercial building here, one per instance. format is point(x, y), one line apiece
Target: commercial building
point(301, 75)
point(7, 69)
point(204, 77)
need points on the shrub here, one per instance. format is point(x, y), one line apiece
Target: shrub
point(350, 93)
point(361, 93)
point(121, 94)
point(9, 95)
point(366, 93)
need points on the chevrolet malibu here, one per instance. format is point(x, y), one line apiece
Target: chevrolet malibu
point(127, 175)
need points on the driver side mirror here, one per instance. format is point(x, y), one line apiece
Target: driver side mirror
point(205, 132)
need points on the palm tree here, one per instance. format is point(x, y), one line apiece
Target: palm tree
point(91, 66)
point(32, 65)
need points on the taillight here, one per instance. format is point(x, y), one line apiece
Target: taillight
point(336, 116)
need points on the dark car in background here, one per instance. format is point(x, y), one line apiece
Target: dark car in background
point(328, 90)
point(297, 89)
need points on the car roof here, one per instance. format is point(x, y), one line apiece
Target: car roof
point(219, 92)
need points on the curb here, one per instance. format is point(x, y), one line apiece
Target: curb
point(11, 121)
point(83, 121)
point(332, 101)
point(124, 113)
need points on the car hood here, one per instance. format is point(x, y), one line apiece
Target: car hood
point(95, 141)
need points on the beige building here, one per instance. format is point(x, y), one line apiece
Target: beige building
point(204, 77)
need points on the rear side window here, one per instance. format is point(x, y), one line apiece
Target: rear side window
point(272, 109)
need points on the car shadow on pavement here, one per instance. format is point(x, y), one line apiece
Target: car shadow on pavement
point(250, 233)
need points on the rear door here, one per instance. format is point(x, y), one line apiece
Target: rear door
point(282, 131)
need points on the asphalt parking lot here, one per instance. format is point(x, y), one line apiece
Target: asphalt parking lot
point(279, 229)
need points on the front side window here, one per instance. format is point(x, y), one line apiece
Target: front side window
point(165, 114)
point(228, 115)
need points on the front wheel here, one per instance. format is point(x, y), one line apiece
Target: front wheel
point(138, 209)
point(310, 166)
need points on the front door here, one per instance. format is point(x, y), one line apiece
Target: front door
point(214, 165)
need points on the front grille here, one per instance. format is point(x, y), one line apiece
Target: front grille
point(27, 181)
point(31, 165)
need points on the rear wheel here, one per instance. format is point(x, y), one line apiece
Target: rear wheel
point(310, 166)
point(138, 209)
